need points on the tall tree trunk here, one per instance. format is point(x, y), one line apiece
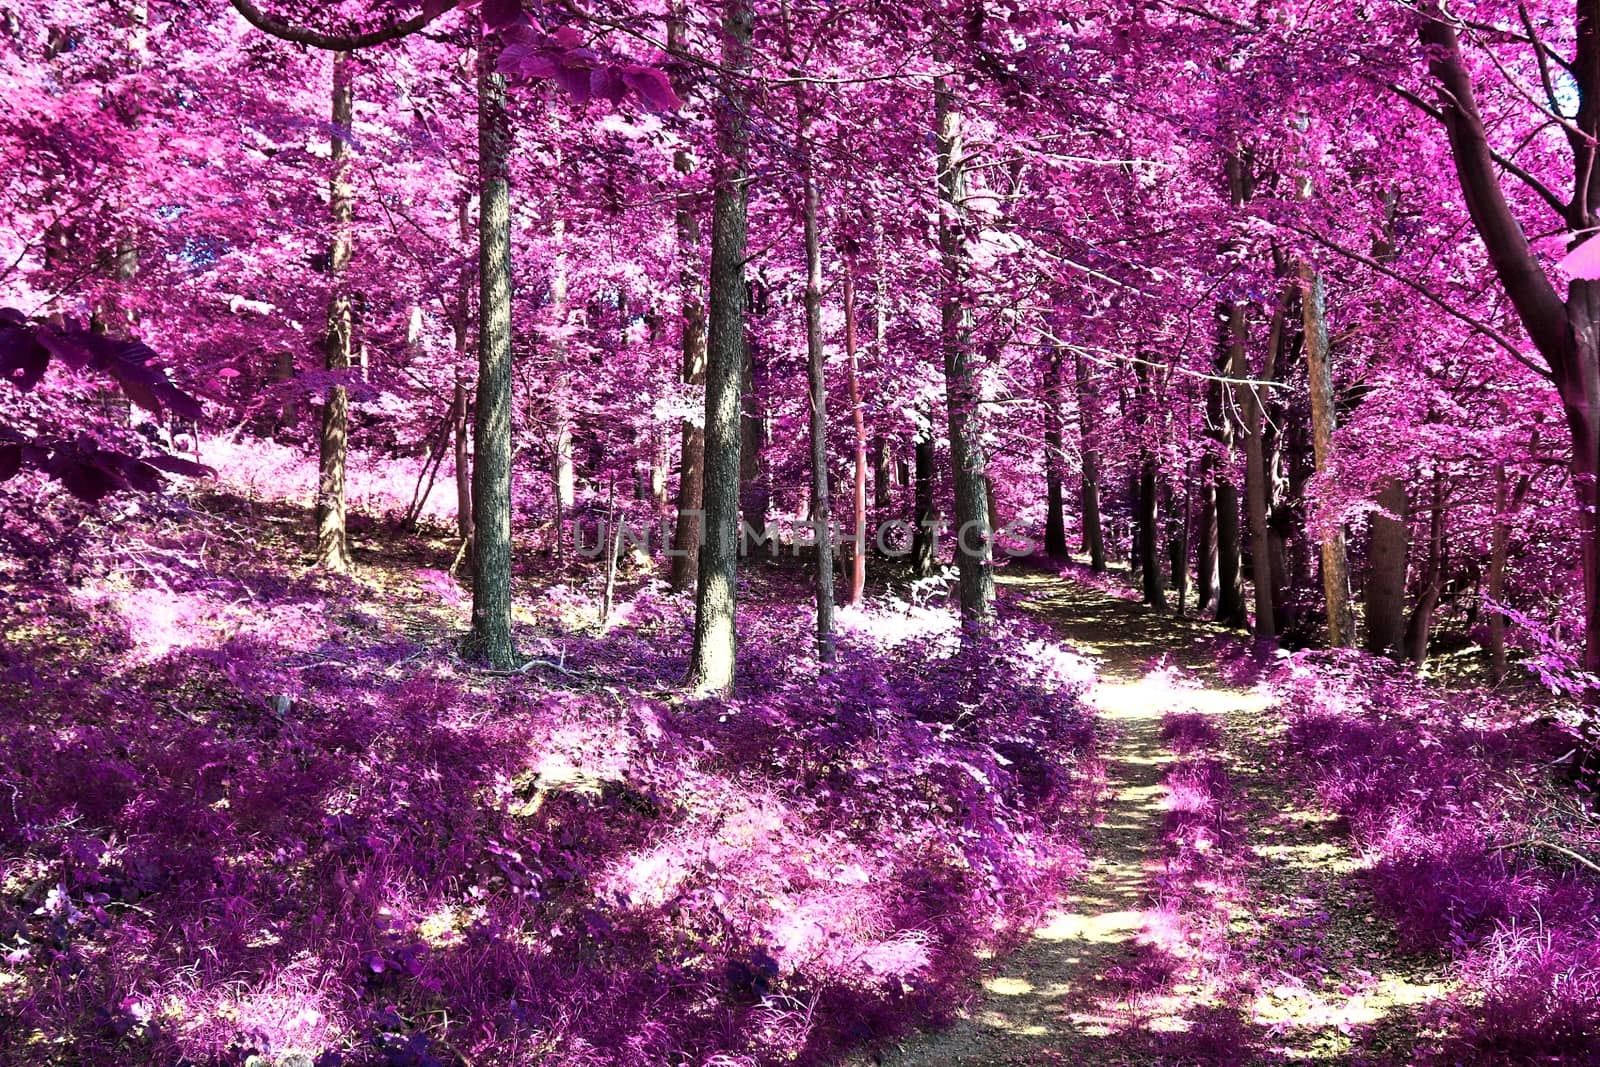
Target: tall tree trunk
point(1055, 520)
point(1420, 628)
point(1567, 333)
point(333, 549)
point(711, 663)
point(755, 493)
point(463, 467)
point(974, 547)
point(1258, 488)
point(858, 553)
point(1385, 590)
point(817, 394)
point(1149, 553)
point(563, 472)
point(691, 460)
point(1094, 536)
point(1229, 589)
point(491, 637)
point(1335, 565)
point(1205, 553)
point(1178, 545)
point(922, 538)
point(1506, 504)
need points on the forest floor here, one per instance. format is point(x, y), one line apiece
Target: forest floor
point(1268, 953)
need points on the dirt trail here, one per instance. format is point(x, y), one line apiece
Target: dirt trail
point(1065, 997)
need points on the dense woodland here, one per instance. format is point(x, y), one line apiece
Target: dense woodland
point(553, 533)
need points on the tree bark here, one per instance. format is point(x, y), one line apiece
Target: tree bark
point(691, 459)
point(1258, 489)
point(974, 539)
point(858, 553)
point(1094, 536)
point(1150, 535)
point(711, 663)
point(1420, 628)
point(817, 395)
point(1055, 520)
point(1387, 548)
point(333, 548)
point(1335, 564)
point(922, 536)
point(491, 638)
point(463, 467)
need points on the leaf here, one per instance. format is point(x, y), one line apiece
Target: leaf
point(179, 465)
point(1584, 261)
point(606, 84)
point(653, 87)
point(23, 359)
point(500, 14)
point(575, 82)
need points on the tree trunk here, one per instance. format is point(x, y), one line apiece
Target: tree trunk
point(858, 553)
point(1335, 565)
point(1055, 520)
point(817, 394)
point(1420, 627)
point(1258, 490)
point(711, 663)
point(1178, 546)
point(1205, 553)
point(691, 460)
point(1507, 503)
point(1150, 535)
point(1387, 547)
point(463, 467)
point(1089, 489)
point(491, 638)
point(974, 548)
point(333, 549)
point(922, 538)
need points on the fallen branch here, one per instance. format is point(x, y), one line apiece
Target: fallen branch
point(1558, 849)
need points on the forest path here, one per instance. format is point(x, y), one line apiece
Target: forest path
point(1275, 959)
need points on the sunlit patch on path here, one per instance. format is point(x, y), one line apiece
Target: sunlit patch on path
point(1261, 952)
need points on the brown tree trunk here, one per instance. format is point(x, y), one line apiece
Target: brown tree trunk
point(1387, 548)
point(1258, 489)
point(711, 664)
point(1055, 519)
point(1149, 553)
point(691, 460)
point(463, 467)
point(923, 539)
point(333, 549)
point(1335, 564)
point(1419, 629)
point(974, 539)
point(1089, 489)
point(491, 638)
point(817, 395)
point(858, 552)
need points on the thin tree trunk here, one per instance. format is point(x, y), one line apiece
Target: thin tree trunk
point(1420, 627)
point(817, 394)
point(1507, 503)
point(1178, 546)
point(691, 522)
point(1055, 520)
point(1258, 490)
point(333, 549)
point(1150, 535)
point(1089, 490)
point(463, 468)
point(922, 539)
point(491, 638)
point(1386, 571)
point(858, 558)
point(1205, 553)
point(974, 548)
point(711, 663)
point(1335, 565)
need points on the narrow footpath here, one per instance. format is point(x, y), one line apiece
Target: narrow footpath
point(1253, 944)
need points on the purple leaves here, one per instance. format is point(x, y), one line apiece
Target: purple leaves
point(128, 362)
point(22, 358)
point(580, 71)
